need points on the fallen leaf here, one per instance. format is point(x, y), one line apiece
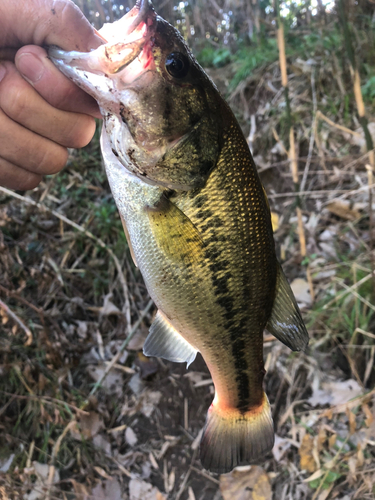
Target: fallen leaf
point(319, 473)
point(102, 443)
point(274, 221)
point(91, 424)
point(301, 290)
point(5, 463)
point(108, 307)
point(141, 490)
point(343, 209)
point(107, 490)
point(306, 454)
point(149, 400)
point(147, 366)
point(130, 436)
point(102, 472)
point(246, 483)
point(280, 447)
point(335, 393)
point(136, 343)
point(41, 485)
point(113, 381)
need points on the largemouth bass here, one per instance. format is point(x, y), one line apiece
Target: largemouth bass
point(197, 221)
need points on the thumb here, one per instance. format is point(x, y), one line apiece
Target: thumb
point(46, 22)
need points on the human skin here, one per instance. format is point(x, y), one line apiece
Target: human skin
point(42, 113)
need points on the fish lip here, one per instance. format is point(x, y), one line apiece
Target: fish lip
point(110, 58)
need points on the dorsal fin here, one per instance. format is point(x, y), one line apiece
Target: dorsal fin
point(286, 322)
point(164, 341)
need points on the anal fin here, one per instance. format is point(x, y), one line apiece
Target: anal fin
point(286, 322)
point(164, 341)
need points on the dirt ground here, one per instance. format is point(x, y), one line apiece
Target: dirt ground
point(70, 295)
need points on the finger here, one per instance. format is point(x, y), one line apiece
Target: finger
point(29, 150)
point(33, 64)
point(43, 22)
point(20, 102)
point(14, 177)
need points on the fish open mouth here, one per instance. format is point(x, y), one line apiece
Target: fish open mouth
point(133, 30)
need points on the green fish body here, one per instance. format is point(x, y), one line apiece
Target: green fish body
point(197, 222)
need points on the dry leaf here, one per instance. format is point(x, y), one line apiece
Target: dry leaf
point(250, 483)
point(91, 424)
point(112, 383)
point(280, 447)
point(41, 485)
point(319, 473)
point(343, 209)
point(335, 393)
point(5, 463)
point(301, 290)
point(102, 472)
point(108, 490)
point(108, 307)
point(274, 221)
point(140, 490)
point(306, 454)
point(80, 490)
point(150, 399)
point(130, 436)
point(147, 366)
point(102, 443)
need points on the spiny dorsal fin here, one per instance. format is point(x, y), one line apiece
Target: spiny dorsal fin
point(286, 322)
point(174, 232)
point(164, 341)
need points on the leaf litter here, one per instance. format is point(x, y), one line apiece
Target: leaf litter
point(78, 293)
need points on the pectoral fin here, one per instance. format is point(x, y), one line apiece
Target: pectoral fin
point(174, 232)
point(164, 341)
point(286, 322)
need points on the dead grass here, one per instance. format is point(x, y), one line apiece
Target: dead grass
point(69, 296)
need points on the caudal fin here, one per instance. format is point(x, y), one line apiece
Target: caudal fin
point(232, 438)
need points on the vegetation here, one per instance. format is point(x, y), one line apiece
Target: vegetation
point(70, 293)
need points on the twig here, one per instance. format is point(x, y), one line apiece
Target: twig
point(46, 400)
point(312, 136)
point(24, 301)
point(187, 475)
point(17, 320)
point(370, 180)
point(349, 290)
point(55, 450)
point(320, 115)
point(333, 462)
point(323, 192)
point(121, 349)
point(79, 228)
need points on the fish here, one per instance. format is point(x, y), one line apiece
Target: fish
point(197, 222)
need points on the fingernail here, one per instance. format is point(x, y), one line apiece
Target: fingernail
point(31, 67)
point(2, 71)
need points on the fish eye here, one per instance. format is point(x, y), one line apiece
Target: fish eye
point(177, 64)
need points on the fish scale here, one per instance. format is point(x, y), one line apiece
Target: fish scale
point(197, 222)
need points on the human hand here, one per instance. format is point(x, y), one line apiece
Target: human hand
point(42, 113)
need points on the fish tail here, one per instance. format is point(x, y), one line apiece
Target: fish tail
point(231, 437)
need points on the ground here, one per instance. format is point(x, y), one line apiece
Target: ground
point(70, 295)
